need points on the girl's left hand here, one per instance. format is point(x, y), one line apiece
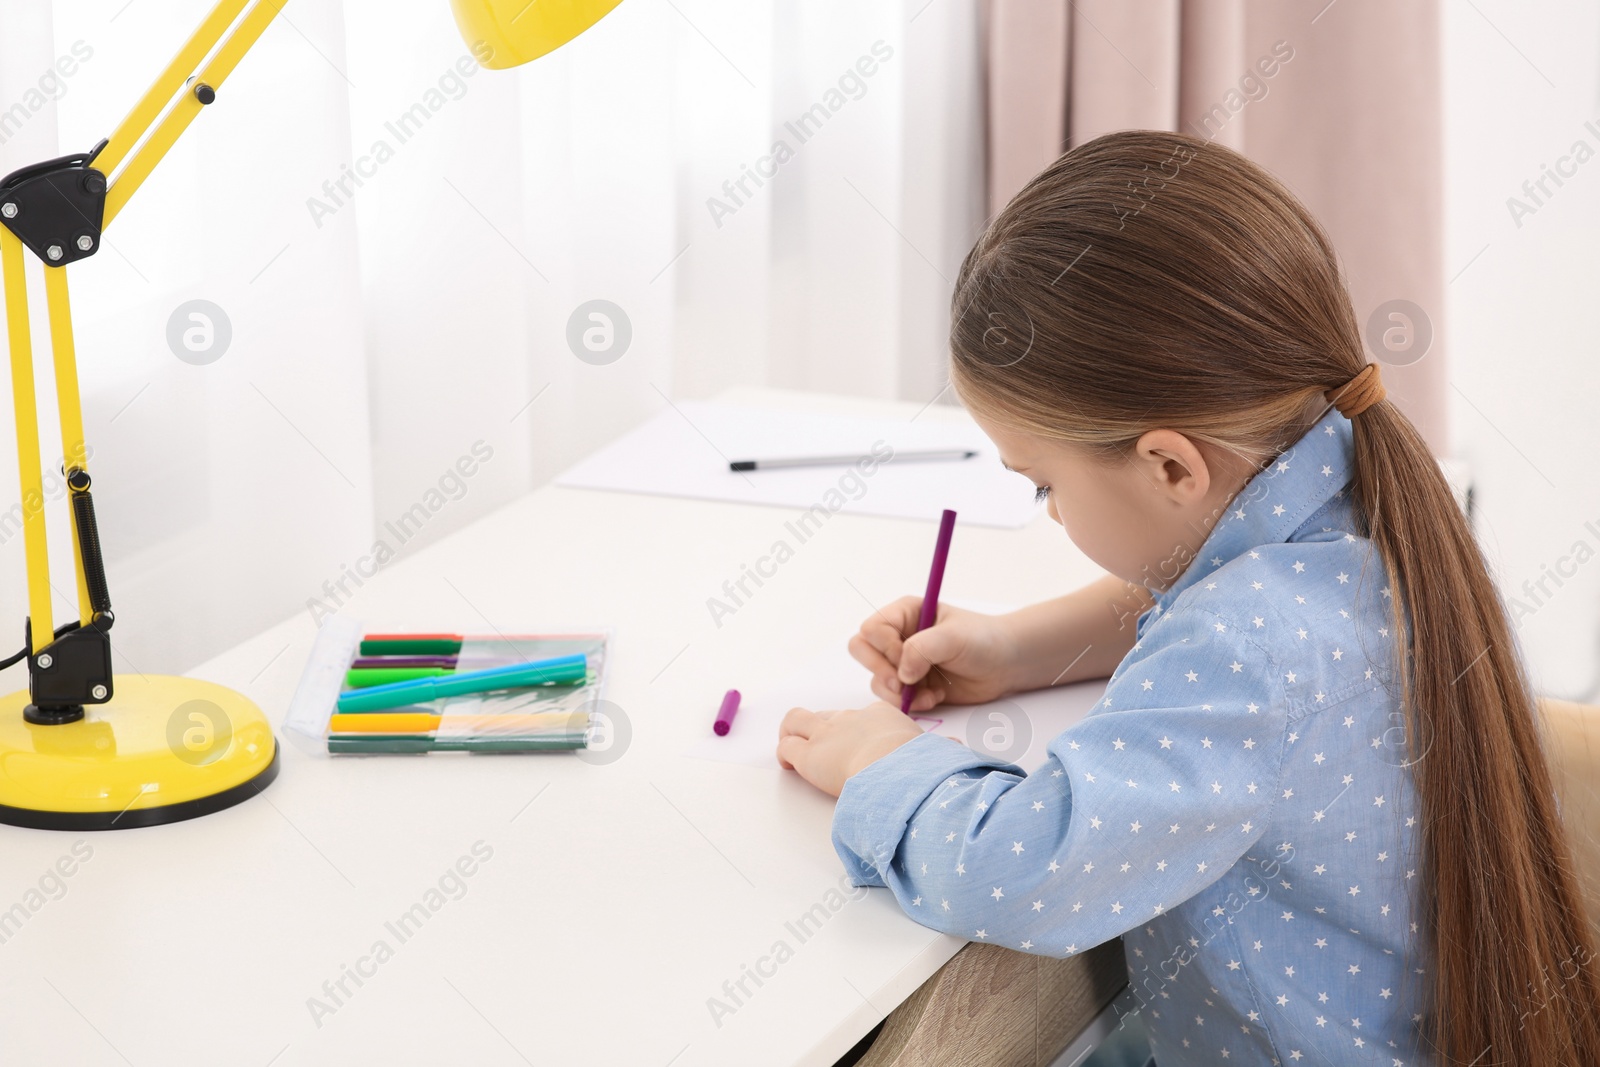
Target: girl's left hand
point(827, 747)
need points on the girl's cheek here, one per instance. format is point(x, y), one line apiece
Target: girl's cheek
point(1082, 532)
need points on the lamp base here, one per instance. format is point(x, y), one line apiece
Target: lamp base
point(162, 750)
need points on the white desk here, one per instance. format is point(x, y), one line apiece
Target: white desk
point(618, 898)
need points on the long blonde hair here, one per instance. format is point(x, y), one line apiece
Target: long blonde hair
point(1151, 280)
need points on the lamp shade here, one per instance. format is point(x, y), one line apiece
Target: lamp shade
point(518, 31)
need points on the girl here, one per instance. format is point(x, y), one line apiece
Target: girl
point(1312, 800)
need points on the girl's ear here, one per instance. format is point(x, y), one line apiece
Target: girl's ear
point(1173, 465)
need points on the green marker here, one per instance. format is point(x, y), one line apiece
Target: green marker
point(411, 644)
point(364, 677)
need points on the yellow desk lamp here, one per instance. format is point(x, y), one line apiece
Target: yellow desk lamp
point(84, 749)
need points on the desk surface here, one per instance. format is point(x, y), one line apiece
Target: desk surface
point(616, 899)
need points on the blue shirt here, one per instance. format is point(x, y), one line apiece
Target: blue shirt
point(1238, 806)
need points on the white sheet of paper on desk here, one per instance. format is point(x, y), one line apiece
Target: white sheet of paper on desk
point(685, 450)
point(1016, 729)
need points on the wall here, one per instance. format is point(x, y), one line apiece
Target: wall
point(1522, 88)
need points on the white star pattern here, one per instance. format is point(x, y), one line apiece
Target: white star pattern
point(1229, 671)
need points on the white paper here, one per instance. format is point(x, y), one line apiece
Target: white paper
point(685, 451)
point(1016, 729)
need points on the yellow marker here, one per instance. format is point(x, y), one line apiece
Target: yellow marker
point(421, 722)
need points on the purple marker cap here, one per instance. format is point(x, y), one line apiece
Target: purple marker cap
point(404, 661)
point(730, 707)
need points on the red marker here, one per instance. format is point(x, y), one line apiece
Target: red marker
point(730, 708)
point(930, 599)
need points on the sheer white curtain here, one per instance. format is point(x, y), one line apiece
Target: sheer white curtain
point(398, 240)
point(226, 492)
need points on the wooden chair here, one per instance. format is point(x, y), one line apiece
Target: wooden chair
point(993, 1007)
point(1572, 746)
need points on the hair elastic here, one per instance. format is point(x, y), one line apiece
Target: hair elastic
point(1359, 393)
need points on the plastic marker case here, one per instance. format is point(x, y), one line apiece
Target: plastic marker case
point(344, 709)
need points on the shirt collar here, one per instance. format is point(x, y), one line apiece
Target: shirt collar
point(1277, 501)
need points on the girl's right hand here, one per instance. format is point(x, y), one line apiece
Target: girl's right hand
point(963, 658)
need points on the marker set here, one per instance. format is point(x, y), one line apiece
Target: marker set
point(419, 693)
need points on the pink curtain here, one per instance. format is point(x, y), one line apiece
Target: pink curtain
point(1340, 100)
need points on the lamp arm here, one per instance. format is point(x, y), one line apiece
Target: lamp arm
point(168, 84)
point(58, 209)
point(225, 36)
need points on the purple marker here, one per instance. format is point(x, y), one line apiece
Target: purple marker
point(730, 707)
point(448, 662)
point(930, 599)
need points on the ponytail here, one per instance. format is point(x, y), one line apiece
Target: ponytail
point(1513, 978)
